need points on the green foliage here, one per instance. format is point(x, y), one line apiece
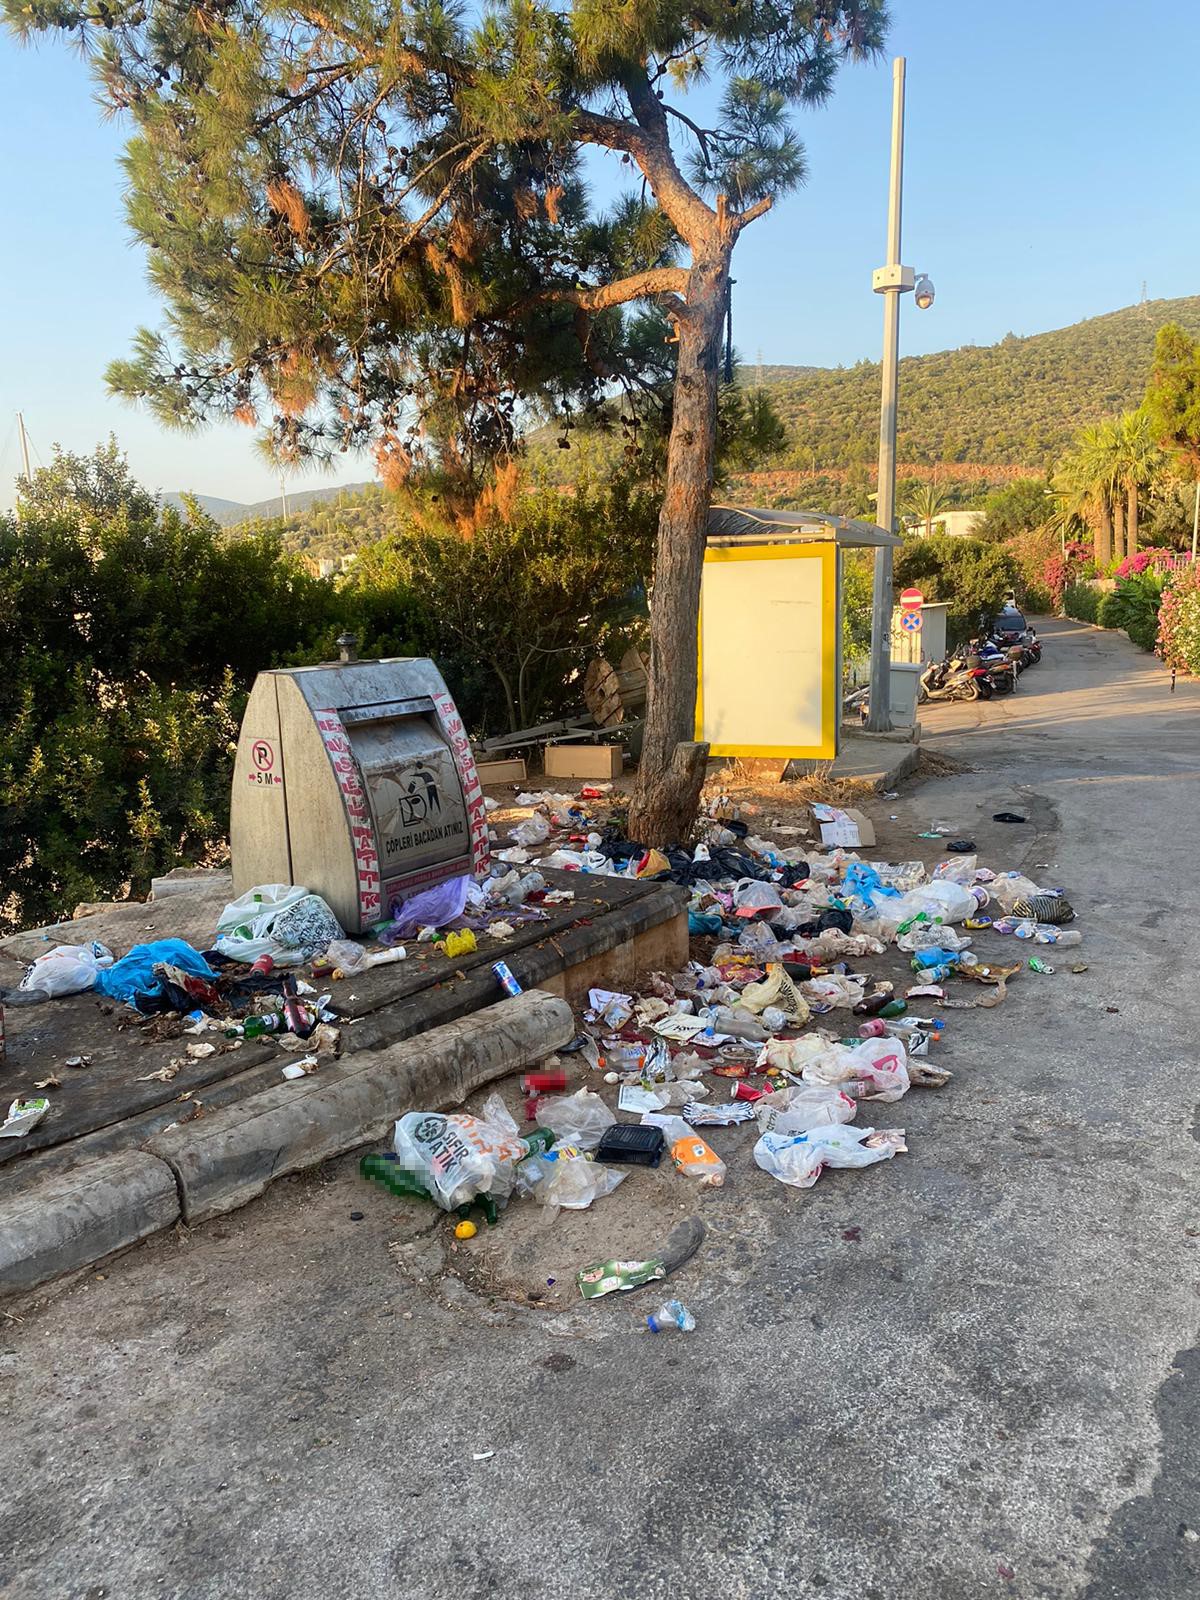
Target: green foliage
point(1179, 621)
point(371, 225)
point(1172, 404)
point(1134, 605)
point(128, 636)
point(924, 502)
point(971, 576)
point(524, 603)
point(857, 581)
point(1017, 508)
point(1082, 601)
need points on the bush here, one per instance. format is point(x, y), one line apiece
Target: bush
point(1179, 621)
point(1133, 605)
point(129, 635)
point(1081, 601)
point(970, 576)
point(515, 611)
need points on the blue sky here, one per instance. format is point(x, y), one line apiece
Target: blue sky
point(1050, 169)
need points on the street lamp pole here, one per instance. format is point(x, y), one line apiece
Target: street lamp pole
point(891, 281)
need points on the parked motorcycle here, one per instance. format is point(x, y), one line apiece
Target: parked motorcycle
point(954, 678)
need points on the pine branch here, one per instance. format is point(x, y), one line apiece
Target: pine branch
point(671, 282)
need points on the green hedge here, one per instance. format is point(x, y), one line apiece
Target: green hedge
point(1132, 605)
point(1082, 602)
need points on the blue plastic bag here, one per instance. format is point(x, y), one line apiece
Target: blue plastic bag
point(133, 975)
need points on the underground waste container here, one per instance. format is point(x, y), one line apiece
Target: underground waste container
point(356, 780)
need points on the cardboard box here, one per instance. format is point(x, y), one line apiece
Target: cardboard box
point(510, 770)
point(602, 761)
point(848, 828)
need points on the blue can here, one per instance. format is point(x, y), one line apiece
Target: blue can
point(505, 979)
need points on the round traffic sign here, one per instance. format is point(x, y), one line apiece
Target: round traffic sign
point(910, 621)
point(911, 599)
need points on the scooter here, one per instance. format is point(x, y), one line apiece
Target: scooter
point(1002, 665)
point(954, 679)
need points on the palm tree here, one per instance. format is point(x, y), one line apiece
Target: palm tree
point(926, 502)
point(1089, 479)
point(1139, 462)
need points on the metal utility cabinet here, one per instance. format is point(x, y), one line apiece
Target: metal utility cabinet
point(357, 781)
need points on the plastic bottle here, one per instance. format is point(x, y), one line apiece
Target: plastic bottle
point(670, 1315)
point(624, 1058)
point(934, 957)
point(721, 1019)
point(1047, 933)
point(922, 919)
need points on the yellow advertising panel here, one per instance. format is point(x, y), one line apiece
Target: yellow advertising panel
point(769, 651)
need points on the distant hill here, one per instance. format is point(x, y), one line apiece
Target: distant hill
point(1015, 403)
point(230, 512)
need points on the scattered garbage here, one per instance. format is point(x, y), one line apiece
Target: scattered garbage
point(281, 920)
point(671, 1314)
point(67, 969)
point(457, 1157)
point(609, 1277)
point(580, 1119)
point(800, 1158)
point(23, 1116)
point(637, 1145)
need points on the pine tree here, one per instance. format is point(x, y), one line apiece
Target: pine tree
point(370, 227)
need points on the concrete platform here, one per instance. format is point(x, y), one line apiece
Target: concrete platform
point(877, 760)
point(613, 928)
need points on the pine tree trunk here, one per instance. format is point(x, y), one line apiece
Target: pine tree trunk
point(1118, 538)
point(1131, 522)
point(663, 809)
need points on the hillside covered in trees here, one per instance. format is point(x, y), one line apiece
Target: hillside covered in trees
point(1014, 403)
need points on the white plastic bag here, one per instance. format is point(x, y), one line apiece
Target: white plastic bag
point(67, 969)
point(534, 830)
point(943, 898)
point(244, 927)
point(752, 897)
point(1009, 887)
point(792, 1055)
point(956, 869)
point(799, 1159)
point(881, 1070)
point(459, 1157)
point(581, 1119)
point(796, 1108)
point(574, 1181)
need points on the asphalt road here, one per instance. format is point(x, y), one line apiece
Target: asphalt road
point(971, 1371)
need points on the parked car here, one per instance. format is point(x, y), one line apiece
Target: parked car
point(1010, 627)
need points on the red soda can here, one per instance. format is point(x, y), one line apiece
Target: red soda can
point(875, 1029)
point(264, 964)
point(544, 1082)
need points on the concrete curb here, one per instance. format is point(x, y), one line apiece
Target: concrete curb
point(222, 1161)
point(79, 1217)
point(200, 1169)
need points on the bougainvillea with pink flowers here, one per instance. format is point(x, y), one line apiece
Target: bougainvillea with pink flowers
point(1179, 621)
point(1144, 560)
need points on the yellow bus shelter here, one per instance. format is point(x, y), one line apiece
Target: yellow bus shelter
point(770, 631)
